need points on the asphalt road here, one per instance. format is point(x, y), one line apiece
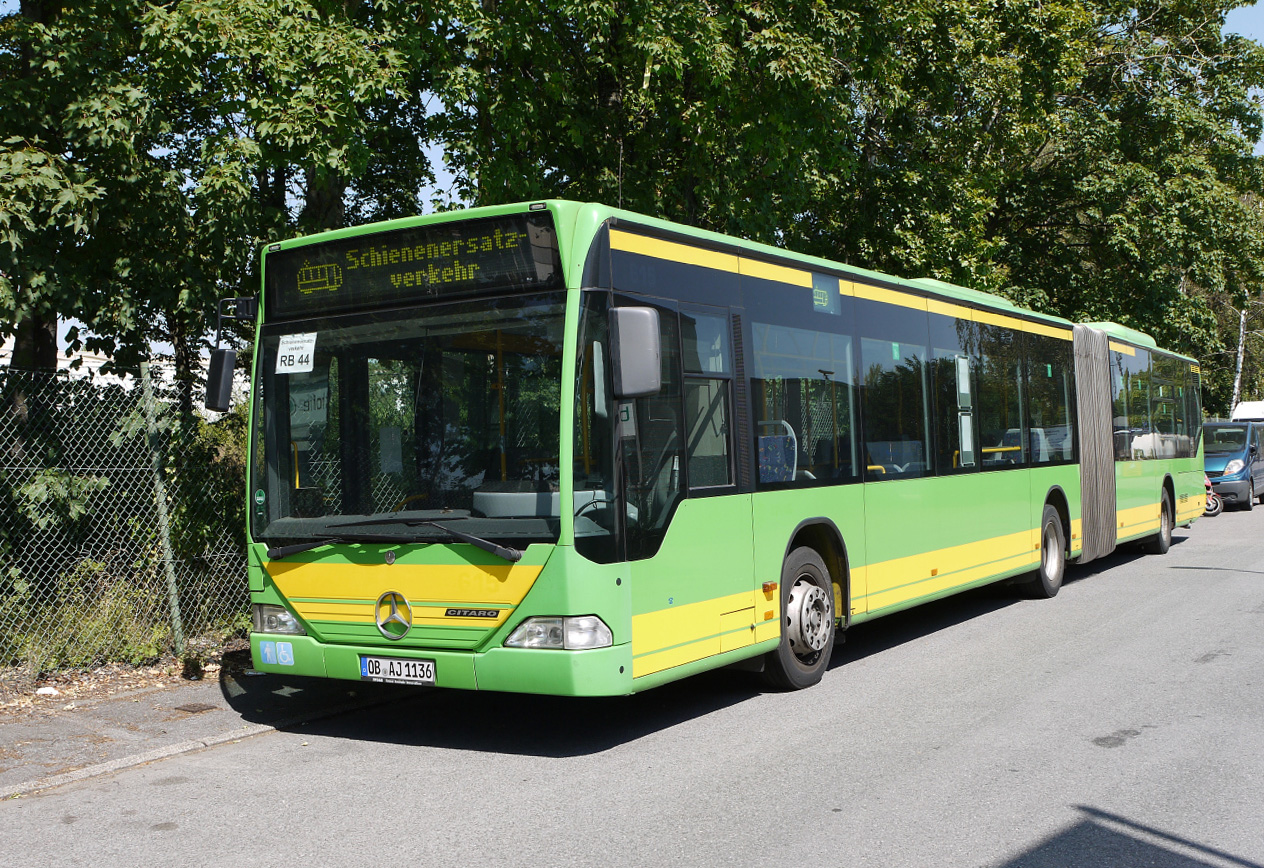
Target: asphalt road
point(1121, 723)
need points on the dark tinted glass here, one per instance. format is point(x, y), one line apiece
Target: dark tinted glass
point(649, 275)
point(804, 405)
point(1130, 383)
point(893, 366)
point(651, 437)
point(1000, 399)
point(1050, 399)
point(952, 375)
point(1168, 412)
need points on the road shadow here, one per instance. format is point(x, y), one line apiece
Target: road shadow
point(1103, 839)
point(553, 726)
point(892, 631)
point(546, 726)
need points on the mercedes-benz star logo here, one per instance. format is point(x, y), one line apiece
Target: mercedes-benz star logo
point(394, 615)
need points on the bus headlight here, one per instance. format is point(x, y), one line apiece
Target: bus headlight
point(276, 619)
point(571, 634)
point(1234, 466)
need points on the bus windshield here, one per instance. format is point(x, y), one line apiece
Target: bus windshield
point(447, 413)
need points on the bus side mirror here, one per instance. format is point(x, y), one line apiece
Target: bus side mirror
point(636, 351)
point(219, 380)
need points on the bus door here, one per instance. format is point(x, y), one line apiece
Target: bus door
point(688, 531)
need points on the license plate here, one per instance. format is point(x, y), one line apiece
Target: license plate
point(392, 670)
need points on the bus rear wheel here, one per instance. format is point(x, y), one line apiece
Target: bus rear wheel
point(1162, 541)
point(1047, 581)
point(807, 623)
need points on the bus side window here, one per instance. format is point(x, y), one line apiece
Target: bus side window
point(895, 408)
point(1050, 398)
point(651, 440)
point(952, 388)
point(803, 401)
point(708, 372)
point(1000, 399)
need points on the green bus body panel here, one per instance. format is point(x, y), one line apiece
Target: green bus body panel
point(700, 601)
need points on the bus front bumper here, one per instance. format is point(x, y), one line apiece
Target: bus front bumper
point(599, 672)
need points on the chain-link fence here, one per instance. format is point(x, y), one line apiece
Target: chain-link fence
point(121, 522)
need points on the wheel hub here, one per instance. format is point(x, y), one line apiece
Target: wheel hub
point(810, 612)
point(1053, 554)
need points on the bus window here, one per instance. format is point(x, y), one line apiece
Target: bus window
point(1193, 407)
point(651, 440)
point(1167, 407)
point(596, 519)
point(803, 401)
point(952, 385)
point(1000, 399)
point(1050, 399)
point(895, 409)
point(1130, 380)
point(708, 370)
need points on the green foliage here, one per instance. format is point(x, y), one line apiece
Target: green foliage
point(54, 498)
point(207, 485)
point(1092, 160)
point(94, 620)
point(1089, 159)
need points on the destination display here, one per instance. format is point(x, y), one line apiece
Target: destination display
point(495, 254)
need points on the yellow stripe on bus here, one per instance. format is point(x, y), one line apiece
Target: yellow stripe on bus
point(779, 273)
point(890, 296)
point(681, 634)
point(1117, 347)
point(348, 592)
point(901, 580)
point(674, 252)
point(1138, 519)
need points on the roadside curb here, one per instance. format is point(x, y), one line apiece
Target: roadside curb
point(246, 731)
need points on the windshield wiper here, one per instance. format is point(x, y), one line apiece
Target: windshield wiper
point(507, 552)
point(275, 553)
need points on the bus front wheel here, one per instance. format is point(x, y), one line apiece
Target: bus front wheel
point(807, 623)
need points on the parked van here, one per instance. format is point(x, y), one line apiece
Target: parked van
point(1235, 461)
point(1252, 411)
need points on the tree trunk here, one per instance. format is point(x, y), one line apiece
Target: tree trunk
point(186, 359)
point(35, 339)
point(1237, 370)
point(35, 344)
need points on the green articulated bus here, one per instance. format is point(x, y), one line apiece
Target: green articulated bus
point(557, 447)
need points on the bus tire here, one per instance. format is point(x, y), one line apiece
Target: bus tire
point(1162, 541)
point(1047, 581)
point(807, 623)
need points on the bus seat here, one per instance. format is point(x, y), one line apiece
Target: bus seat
point(778, 451)
point(1039, 445)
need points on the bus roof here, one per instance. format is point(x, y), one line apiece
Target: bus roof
point(921, 286)
point(586, 217)
point(1123, 333)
